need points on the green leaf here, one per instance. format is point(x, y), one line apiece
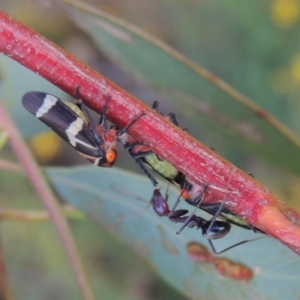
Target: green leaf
point(12, 97)
point(3, 138)
point(36, 264)
point(196, 98)
point(110, 197)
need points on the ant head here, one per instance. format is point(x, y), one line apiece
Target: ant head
point(159, 203)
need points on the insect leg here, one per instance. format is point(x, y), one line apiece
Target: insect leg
point(232, 246)
point(175, 205)
point(213, 220)
point(122, 131)
point(201, 198)
point(146, 171)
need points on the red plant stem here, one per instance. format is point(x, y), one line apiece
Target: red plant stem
point(246, 197)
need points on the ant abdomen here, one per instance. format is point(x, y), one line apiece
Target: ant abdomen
point(216, 230)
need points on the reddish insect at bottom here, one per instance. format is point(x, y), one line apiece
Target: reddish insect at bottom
point(228, 268)
point(224, 266)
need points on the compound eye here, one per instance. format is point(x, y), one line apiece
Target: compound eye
point(111, 156)
point(185, 194)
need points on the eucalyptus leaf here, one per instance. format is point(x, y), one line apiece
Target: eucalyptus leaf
point(12, 97)
point(113, 197)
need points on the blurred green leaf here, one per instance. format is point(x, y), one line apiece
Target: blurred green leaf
point(97, 192)
point(37, 267)
point(12, 89)
point(3, 138)
point(140, 54)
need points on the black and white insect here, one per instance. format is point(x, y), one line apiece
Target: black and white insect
point(73, 123)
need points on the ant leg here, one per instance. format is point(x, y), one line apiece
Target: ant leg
point(146, 171)
point(167, 193)
point(137, 157)
point(77, 97)
point(220, 209)
point(155, 106)
point(183, 185)
point(201, 198)
point(122, 131)
point(213, 220)
point(172, 116)
point(102, 120)
point(234, 245)
point(173, 119)
point(174, 206)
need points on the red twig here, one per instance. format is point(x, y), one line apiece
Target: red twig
point(246, 197)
